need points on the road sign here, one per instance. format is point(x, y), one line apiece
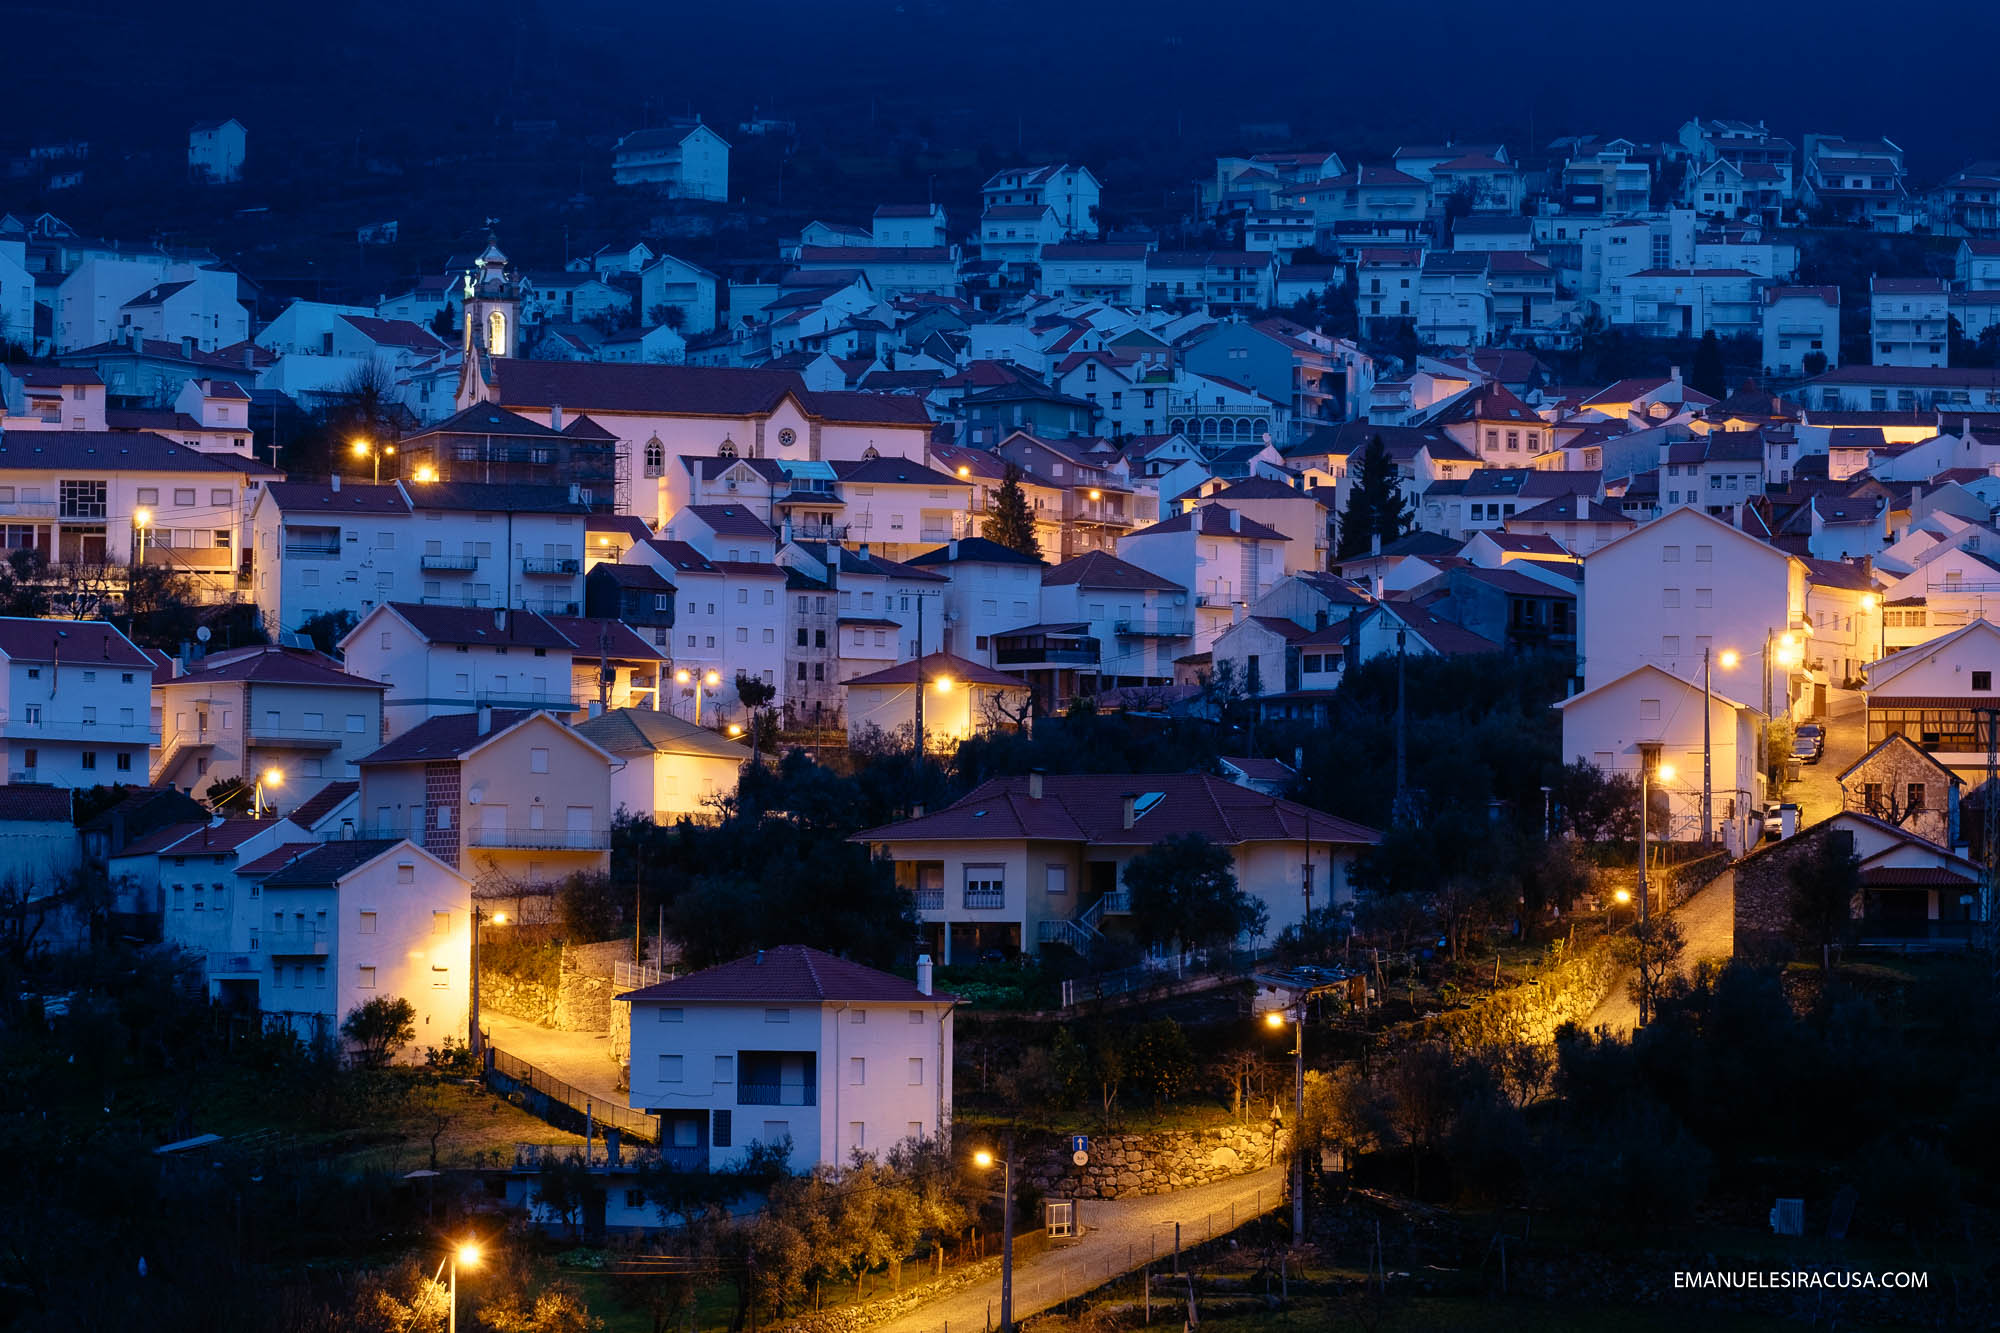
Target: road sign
point(1079, 1143)
point(1080, 1157)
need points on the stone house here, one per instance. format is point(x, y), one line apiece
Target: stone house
point(1898, 783)
point(1912, 890)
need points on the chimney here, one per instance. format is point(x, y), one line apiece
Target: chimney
point(951, 549)
point(1375, 545)
point(923, 974)
point(596, 708)
point(484, 719)
point(917, 810)
point(1034, 784)
point(555, 416)
point(1131, 801)
point(500, 619)
point(760, 958)
point(1673, 374)
point(249, 356)
point(336, 483)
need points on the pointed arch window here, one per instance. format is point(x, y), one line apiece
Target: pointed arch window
point(656, 457)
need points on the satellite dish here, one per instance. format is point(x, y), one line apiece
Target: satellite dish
point(475, 796)
point(201, 634)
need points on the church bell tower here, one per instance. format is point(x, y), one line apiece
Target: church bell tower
point(492, 299)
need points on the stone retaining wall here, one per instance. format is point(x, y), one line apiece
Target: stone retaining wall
point(883, 1309)
point(1124, 1166)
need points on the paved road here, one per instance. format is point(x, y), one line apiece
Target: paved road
point(1120, 1236)
point(581, 1059)
point(1818, 789)
point(1708, 922)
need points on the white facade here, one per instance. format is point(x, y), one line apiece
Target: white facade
point(1909, 321)
point(523, 663)
point(77, 710)
point(1799, 321)
point(833, 1077)
point(216, 151)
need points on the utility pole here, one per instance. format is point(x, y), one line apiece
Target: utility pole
point(919, 664)
point(1402, 808)
point(472, 1041)
point(1707, 749)
point(1989, 878)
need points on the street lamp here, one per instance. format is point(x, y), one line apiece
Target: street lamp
point(1873, 602)
point(369, 449)
point(141, 520)
point(984, 1159)
point(467, 1254)
point(1275, 1020)
point(1662, 773)
point(426, 473)
point(272, 777)
point(709, 680)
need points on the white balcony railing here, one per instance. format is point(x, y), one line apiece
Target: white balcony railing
point(541, 839)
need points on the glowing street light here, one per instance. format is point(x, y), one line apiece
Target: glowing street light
point(944, 684)
point(468, 1254)
point(984, 1159)
point(425, 473)
point(142, 519)
point(270, 777)
point(708, 681)
point(369, 449)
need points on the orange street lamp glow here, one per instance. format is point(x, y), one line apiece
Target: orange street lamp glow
point(1730, 657)
point(944, 684)
point(1623, 895)
point(982, 1158)
point(1274, 1019)
point(712, 679)
point(1665, 773)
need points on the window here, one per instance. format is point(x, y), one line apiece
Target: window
point(1058, 879)
point(1982, 681)
point(670, 1069)
point(1649, 710)
point(916, 1071)
point(367, 926)
point(719, 1133)
point(538, 760)
point(670, 1015)
point(725, 1069)
point(1670, 554)
point(857, 1073)
point(366, 979)
point(1670, 598)
point(916, 1018)
point(90, 759)
point(1704, 597)
point(440, 923)
point(1916, 797)
point(857, 1131)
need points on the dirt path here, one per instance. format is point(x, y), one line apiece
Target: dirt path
point(581, 1059)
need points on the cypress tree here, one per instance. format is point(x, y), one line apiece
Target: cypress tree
point(1375, 504)
point(1010, 524)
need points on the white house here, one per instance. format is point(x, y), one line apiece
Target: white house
point(1648, 716)
point(77, 711)
point(791, 1045)
point(1936, 693)
point(670, 284)
point(1798, 322)
point(245, 712)
point(1909, 321)
point(1069, 192)
point(330, 926)
point(669, 769)
point(1025, 861)
point(438, 660)
point(1688, 583)
point(683, 161)
point(215, 151)
point(1221, 558)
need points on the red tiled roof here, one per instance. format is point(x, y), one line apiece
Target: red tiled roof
point(1100, 569)
point(274, 666)
point(277, 858)
point(479, 625)
point(732, 521)
point(790, 973)
point(322, 802)
point(31, 803)
point(1214, 522)
point(1089, 807)
point(82, 643)
point(445, 737)
point(301, 497)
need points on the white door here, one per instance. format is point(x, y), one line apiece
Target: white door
point(493, 825)
point(577, 821)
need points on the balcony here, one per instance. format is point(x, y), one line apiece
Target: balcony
point(311, 551)
point(541, 839)
point(551, 564)
point(28, 509)
point(1083, 657)
point(930, 900)
point(299, 941)
point(293, 738)
point(775, 1094)
point(684, 1159)
point(235, 965)
point(19, 726)
point(451, 564)
point(1157, 629)
point(985, 900)
point(210, 558)
point(809, 495)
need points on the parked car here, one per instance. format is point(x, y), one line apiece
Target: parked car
point(1774, 824)
point(1809, 742)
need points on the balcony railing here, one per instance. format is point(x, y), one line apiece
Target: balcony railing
point(191, 557)
point(235, 964)
point(1155, 629)
point(539, 564)
point(684, 1159)
point(1045, 657)
point(452, 563)
point(1117, 902)
point(985, 899)
point(775, 1094)
point(311, 551)
point(541, 839)
point(930, 900)
point(19, 725)
point(28, 509)
point(296, 738)
point(295, 941)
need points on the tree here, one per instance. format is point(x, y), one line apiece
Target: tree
point(1814, 363)
point(556, 1308)
point(589, 909)
point(1707, 375)
point(1161, 1059)
point(1375, 504)
point(162, 604)
point(1010, 524)
point(380, 1027)
point(1653, 950)
point(755, 695)
point(1822, 887)
point(229, 793)
point(328, 628)
point(1184, 888)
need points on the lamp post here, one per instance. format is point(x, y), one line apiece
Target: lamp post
point(467, 1254)
point(141, 520)
point(1275, 1020)
point(1664, 773)
point(708, 681)
point(472, 1042)
point(369, 449)
point(1873, 602)
point(274, 777)
point(1729, 659)
point(985, 1159)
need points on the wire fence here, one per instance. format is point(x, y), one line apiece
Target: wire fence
point(578, 1108)
point(1036, 1290)
point(1165, 969)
